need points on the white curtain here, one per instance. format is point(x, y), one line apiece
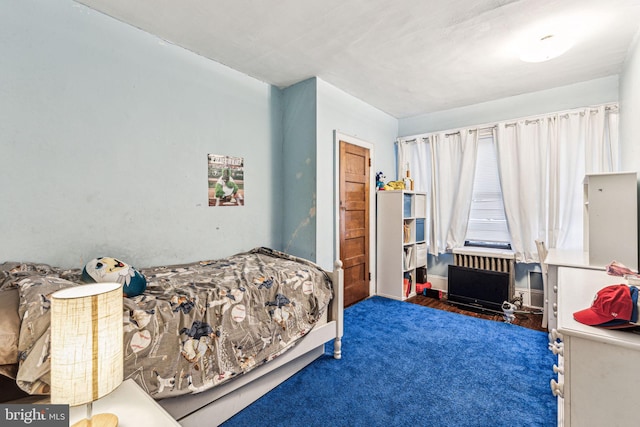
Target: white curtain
point(602, 153)
point(587, 143)
point(452, 170)
point(522, 149)
point(415, 155)
point(443, 165)
point(542, 163)
point(567, 168)
point(463, 192)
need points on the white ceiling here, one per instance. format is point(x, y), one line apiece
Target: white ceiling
point(405, 57)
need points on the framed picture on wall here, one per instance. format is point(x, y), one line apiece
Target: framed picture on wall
point(226, 180)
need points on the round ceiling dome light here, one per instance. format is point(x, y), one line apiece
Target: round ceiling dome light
point(544, 48)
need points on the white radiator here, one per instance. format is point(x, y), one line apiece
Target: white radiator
point(487, 259)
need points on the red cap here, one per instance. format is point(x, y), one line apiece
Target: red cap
point(611, 303)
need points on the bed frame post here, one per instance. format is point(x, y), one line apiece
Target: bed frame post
point(337, 307)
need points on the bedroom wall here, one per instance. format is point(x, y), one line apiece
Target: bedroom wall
point(313, 110)
point(592, 92)
point(299, 170)
point(104, 139)
point(338, 110)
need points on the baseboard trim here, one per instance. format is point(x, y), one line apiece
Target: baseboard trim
point(439, 282)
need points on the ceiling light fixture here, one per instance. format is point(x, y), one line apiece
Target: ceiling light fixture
point(552, 36)
point(544, 48)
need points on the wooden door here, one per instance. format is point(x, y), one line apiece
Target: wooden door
point(354, 221)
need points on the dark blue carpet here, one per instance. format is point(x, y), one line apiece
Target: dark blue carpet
point(408, 365)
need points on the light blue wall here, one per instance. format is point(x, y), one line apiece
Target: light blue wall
point(106, 135)
point(313, 110)
point(592, 92)
point(337, 110)
point(104, 139)
point(299, 169)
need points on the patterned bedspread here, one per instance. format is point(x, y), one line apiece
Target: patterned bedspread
point(197, 325)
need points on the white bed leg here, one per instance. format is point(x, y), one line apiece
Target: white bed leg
point(338, 307)
point(337, 348)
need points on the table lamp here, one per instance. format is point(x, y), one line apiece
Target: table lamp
point(86, 347)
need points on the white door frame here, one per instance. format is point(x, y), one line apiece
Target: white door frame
point(337, 137)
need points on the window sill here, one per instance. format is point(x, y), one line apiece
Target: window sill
point(480, 251)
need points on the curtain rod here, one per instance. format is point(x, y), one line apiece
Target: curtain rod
point(457, 132)
point(512, 122)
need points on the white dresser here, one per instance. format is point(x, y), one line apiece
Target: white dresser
point(598, 369)
point(557, 258)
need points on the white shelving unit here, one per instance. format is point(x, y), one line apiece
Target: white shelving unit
point(611, 218)
point(401, 242)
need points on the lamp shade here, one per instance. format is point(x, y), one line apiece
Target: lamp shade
point(86, 342)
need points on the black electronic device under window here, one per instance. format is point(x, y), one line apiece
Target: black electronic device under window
point(479, 289)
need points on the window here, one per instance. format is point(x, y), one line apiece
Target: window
point(487, 222)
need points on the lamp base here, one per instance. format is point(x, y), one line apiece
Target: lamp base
point(98, 420)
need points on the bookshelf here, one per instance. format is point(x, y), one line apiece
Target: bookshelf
point(401, 242)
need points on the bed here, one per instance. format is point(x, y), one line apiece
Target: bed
point(205, 339)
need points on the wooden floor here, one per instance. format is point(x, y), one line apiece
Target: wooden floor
point(529, 320)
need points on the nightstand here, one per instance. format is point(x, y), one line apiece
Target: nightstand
point(132, 406)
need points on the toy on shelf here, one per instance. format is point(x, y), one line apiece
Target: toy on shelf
point(380, 180)
point(408, 181)
point(394, 185)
